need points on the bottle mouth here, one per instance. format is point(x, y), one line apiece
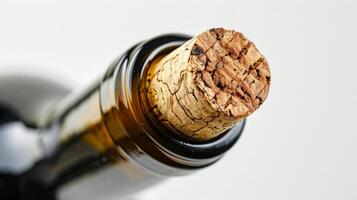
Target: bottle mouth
point(147, 53)
point(151, 136)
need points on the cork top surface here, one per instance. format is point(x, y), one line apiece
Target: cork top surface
point(233, 75)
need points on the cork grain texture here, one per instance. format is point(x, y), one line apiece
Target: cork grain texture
point(208, 84)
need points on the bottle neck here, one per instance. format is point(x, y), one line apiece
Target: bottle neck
point(112, 121)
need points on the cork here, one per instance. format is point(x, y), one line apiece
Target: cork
point(208, 84)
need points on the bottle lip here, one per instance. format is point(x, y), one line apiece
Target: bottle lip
point(146, 53)
point(130, 70)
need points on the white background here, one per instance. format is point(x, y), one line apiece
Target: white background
point(301, 144)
